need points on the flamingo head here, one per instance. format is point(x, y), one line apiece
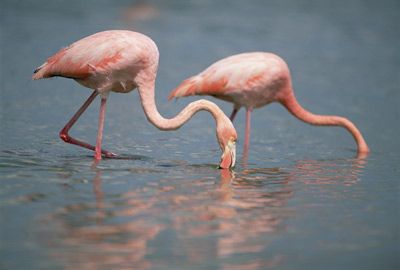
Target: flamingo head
point(227, 136)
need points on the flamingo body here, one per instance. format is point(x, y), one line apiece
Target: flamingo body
point(106, 61)
point(120, 61)
point(247, 80)
point(253, 80)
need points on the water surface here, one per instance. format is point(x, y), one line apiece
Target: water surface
point(303, 200)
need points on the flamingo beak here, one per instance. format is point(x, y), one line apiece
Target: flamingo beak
point(228, 158)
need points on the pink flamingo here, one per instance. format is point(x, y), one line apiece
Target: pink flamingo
point(121, 61)
point(253, 80)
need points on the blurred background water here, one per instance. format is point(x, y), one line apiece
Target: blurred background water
point(303, 200)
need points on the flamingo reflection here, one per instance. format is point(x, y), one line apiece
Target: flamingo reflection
point(205, 218)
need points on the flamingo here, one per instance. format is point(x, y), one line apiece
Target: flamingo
point(121, 61)
point(253, 80)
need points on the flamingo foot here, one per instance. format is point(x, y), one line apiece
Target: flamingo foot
point(108, 154)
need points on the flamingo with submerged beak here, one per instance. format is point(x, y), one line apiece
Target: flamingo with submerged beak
point(253, 80)
point(121, 61)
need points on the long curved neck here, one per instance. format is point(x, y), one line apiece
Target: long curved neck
point(291, 104)
point(146, 93)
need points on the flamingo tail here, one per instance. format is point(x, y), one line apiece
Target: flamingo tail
point(186, 88)
point(40, 72)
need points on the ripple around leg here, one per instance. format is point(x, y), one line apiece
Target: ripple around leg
point(130, 157)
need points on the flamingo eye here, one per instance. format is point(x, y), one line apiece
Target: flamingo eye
point(232, 141)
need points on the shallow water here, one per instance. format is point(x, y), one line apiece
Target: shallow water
point(303, 200)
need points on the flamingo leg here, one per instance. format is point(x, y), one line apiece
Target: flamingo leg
point(68, 139)
point(233, 114)
point(100, 128)
point(247, 132)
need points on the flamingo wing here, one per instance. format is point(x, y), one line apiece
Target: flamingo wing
point(225, 78)
point(101, 52)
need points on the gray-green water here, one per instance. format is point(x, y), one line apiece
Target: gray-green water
point(303, 201)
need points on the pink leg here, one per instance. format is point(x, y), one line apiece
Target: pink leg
point(68, 139)
point(247, 132)
point(233, 114)
point(100, 128)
